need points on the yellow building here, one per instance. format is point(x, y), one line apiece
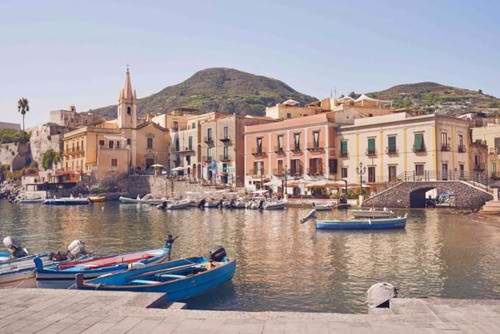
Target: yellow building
point(395, 145)
point(116, 147)
point(490, 135)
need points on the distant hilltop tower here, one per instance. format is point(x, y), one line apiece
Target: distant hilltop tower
point(127, 105)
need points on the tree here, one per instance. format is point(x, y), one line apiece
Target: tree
point(50, 158)
point(23, 107)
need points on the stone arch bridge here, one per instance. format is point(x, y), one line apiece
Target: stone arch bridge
point(411, 194)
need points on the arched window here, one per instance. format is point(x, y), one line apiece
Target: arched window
point(129, 110)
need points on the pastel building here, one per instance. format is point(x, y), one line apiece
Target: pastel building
point(490, 136)
point(297, 148)
point(121, 146)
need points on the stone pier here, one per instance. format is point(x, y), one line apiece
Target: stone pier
point(73, 311)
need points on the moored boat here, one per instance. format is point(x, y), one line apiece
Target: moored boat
point(63, 275)
point(179, 205)
point(179, 279)
point(147, 199)
point(372, 213)
point(274, 205)
point(97, 199)
point(67, 201)
point(322, 207)
point(361, 224)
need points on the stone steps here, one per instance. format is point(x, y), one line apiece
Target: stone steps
point(491, 207)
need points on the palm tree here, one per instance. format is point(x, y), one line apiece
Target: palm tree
point(23, 107)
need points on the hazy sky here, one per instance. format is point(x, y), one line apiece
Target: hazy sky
point(58, 53)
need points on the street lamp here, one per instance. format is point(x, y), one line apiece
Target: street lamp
point(361, 170)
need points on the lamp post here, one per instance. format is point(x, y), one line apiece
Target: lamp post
point(360, 170)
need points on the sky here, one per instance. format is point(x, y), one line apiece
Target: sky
point(61, 53)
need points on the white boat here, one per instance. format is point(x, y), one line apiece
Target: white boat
point(212, 204)
point(179, 205)
point(31, 200)
point(67, 201)
point(147, 199)
point(239, 204)
point(323, 207)
point(274, 205)
point(372, 213)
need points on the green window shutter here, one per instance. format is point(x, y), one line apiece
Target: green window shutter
point(371, 144)
point(392, 143)
point(343, 147)
point(419, 141)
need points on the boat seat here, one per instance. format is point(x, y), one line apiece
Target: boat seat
point(172, 276)
point(144, 281)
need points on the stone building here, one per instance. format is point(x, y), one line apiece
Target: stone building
point(46, 137)
point(72, 119)
point(10, 126)
point(15, 156)
point(121, 146)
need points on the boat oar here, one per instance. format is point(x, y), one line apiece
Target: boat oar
point(310, 215)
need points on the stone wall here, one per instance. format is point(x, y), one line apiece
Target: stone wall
point(158, 186)
point(46, 137)
point(15, 155)
point(467, 196)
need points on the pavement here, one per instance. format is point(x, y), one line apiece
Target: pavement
point(76, 311)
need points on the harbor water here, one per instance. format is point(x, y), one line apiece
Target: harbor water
point(283, 265)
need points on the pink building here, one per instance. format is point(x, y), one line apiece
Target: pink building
point(289, 151)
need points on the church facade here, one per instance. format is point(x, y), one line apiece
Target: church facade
point(118, 147)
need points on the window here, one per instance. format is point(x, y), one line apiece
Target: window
point(332, 166)
point(175, 125)
point(259, 145)
point(296, 141)
point(225, 152)
point(188, 160)
point(391, 144)
point(117, 144)
point(392, 173)
point(177, 145)
point(371, 146)
point(444, 171)
point(280, 167)
point(101, 142)
point(418, 144)
point(129, 141)
point(114, 162)
point(279, 148)
point(190, 143)
point(316, 139)
point(129, 110)
point(209, 155)
point(419, 169)
point(444, 142)
point(111, 144)
point(288, 115)
point(258, 167)
point(226, 132)
point(343, 148)
point(295, 167)
point(193, 125)
point(371, 174)
point(343, 172)
point(461, 168)
point(150, 143)
point(461, 146)
point(209, 134)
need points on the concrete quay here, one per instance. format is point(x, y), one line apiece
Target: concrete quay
point(72, 311)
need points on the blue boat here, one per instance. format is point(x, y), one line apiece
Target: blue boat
point(361, 224)
point(67, 201)
point(63, 275)
point(179, 279)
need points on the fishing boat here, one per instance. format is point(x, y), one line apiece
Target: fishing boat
point(179, 279)
point(211, 204)
point(63, 275)
point(274, 205)
point(97, 199)
point(361, 224)
point(372, 213)
point(67, 201)
point(179, 205)
point(322, 207)
point(147, 199)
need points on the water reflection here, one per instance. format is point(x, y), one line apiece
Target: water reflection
point(283, 265)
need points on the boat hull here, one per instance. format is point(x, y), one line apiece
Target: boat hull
point(361, 224)
point(127, 200)
point(19, 272)
point(67, 201)
point(371, 214)
point(177, 290)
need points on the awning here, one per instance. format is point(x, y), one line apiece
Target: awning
point(157, 166)
point(176, 169)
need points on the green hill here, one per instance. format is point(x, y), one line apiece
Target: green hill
point(433, 97)
point(217, 89)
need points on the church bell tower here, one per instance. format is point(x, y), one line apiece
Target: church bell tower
point(127, 105)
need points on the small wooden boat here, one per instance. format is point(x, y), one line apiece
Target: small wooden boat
point(322, 207)
point(211, 204)
point(30, 200)
point(20, 272)
point(179, 279)
point(274, 205)
point(372, 213)
point(67, 201)
point(179, 205)
point(145, 200)
point(97, 199)
point(63, 275)
point(361, 224)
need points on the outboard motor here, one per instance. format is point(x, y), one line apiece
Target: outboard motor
point(201, 205)
point(15, 248)
point(217, 254)
point(379, 295)
point(76, 248)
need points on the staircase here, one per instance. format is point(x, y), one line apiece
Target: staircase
point(491, 207)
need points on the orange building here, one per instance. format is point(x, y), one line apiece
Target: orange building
point(296, 148)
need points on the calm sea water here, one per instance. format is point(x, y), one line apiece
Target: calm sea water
point(282, 265)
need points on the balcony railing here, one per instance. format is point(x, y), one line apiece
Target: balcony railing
point(445, 147)
point(279, 172)
point(208, 140)
point(479, 167)
point(256, 172)
point(391, 150)
point(279, 150)
point(417, 149)
point(206, 158)
point(296, 150)
point(259, 153)
point(461, 149)
point(224, 158)
point(370, 152)
point(344, 154)
point(315, 171)
point(186, 150)
point(315, 149)
point(296, 171)
point(225, 140)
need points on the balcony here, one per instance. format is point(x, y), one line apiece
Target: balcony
point(419, 149)
point(391, 150)
point(479, 167)
point(224, 158)
point(206, 158)
point(186, 150)
point(445, 147)
point(495, 150)
point(279, 150)
point(208, 140)
point(225, 140)
point(296, 171)
point(371, 153)
point(344, 154)
point(296, 150)
point(315, 171)
point(259, 153)
point(256, 173)
point(315, 149)
point(279, 172)
point(461, 148)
